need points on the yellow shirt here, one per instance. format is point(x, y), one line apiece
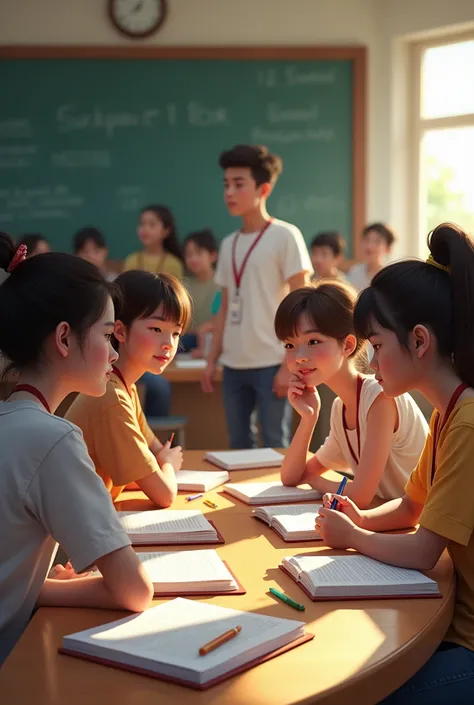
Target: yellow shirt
point(449, 507)
point(117, 435)
point(156, 264)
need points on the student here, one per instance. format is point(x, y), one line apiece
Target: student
point(257, 267)
point(200, 256)
point(379, 439)
point(377, 243)
point(419, 319)
point(161, 252)
point(35, 243)
point(151, 310)
point(89, 243)
point(56, 321)
point(327, 253)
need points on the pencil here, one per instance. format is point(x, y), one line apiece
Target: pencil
point(171, 438)
point(219, 640)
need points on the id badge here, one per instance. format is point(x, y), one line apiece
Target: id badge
point(236, 310)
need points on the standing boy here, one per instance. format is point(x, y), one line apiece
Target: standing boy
point(258, 265)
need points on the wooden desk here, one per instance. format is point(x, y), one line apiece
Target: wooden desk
point(205, 412)
point(362, 650)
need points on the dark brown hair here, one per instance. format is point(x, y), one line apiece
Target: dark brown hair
point(264, 166)
point(204, 239)
point(381, 229)
point(32, 240)
point(171, 241)
point(88, 234)
point(328, 305)
point(410, 293)
point(140, 293)
point(331, 239)
point(39, 294)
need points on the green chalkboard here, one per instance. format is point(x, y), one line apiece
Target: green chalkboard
point(89, 141)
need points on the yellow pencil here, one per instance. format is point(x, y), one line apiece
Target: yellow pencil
point(210, 504)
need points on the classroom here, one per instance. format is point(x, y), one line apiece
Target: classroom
point(236, 275)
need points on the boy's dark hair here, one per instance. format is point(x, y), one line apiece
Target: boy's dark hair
point(139, 294)
point(39, 294)
point(171, 242)
point(331, 239)
point(409, 293)
point(82, 237)
point(32, 240)
point(329, 305)
point(381, 229)
point(203, 239)
point(264, 166)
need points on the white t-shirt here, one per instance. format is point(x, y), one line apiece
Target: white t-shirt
point(280, 254)
point(359, 277)
point(407, 444)
point(49, 491)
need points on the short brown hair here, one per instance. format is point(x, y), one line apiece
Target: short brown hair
point(140, 293)
point(329, 305)
point(381, 229)
point(265, 167)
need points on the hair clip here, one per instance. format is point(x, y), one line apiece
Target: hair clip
point(19, 256)
point(431, 260)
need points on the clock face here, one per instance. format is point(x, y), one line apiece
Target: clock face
point(137, 18)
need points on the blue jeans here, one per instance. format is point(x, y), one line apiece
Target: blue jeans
point(247, 390)
point(447, 677)
point(158, 394)
point(188, 342)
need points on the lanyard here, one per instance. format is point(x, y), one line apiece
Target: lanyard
point(238, 274)
point(360, 382)
point(117, 372)
point(437, 431)
point(159, 266)
point(34, 392)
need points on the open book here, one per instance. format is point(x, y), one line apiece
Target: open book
point(190, 363)
point(169, 526)
point(200, 572)
point(245, 459)
point(270, 492)
point(164, 641)
point(200, 480)
point(356, 577)
point(294, 522)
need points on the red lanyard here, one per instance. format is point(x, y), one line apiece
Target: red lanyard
point(117, 372)
point(437, 431)
point(238, 274)
point(360, 382)
point(34, 392)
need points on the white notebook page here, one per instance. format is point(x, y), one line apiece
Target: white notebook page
point(248, 457)
point(170, 521)
point(273, 490)
point(355, 570)
point(202, 477)
point(173, 632)
point(184, 566)
point(294, 517)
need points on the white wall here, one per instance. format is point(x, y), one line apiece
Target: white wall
point(384, 26)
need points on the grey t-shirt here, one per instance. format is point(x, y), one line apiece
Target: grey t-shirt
point(49, 492)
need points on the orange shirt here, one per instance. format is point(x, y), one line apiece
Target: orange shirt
point(117, 435)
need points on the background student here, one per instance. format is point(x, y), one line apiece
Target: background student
point(161, 253)
point(56, 321)
point(379, 439)
point(377, 242)
point(151, 312)
point(36, 244)
point(327, 254)
point(257, 266)
point(419, 319)
point(89, 243)
point(200, 257)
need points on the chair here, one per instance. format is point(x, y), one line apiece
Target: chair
point(173, 424)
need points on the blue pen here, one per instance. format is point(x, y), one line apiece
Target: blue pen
point(193, 496)
point(340, 490)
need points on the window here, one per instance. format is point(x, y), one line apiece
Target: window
point(444, 133)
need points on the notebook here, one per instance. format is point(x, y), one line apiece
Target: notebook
point(200, 480)
point(245, 459)
point(190, 363)
point(169, 526)
point(356, 577)
point(200, 572)
point(270, 492)
point(293, 522)
point(164, 641)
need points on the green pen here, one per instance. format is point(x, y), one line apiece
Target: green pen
point(288, 600)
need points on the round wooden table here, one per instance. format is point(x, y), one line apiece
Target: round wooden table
point(362, 650)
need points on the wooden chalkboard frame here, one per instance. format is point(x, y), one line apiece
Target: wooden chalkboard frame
point(356, 54)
